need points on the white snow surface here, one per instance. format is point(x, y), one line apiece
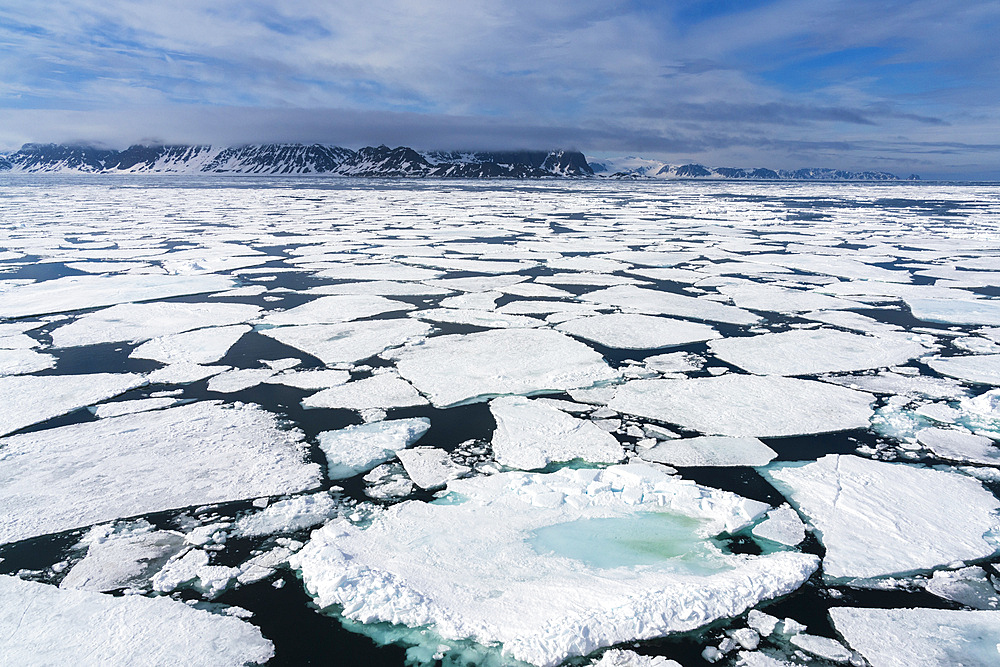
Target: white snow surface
point(78, 475)
point(637, 332)
point(351, 341)
point(529, 435)
point(119, 408)
point(468, 569)
point(122, 557)
point(201, 346)
point(286, 516)
point(18, 361)
point(977, 368)
point(925, 637)
point(878, 519)
point(710, 450)
point(455, 369)
point(956, 311)
point(960, 445)
point(385, 390)
point(746, 405)
point(617, 657)
point(478, 318)
point(356, 449)
point(45, 625)
point(653, 302)
point(782, 525)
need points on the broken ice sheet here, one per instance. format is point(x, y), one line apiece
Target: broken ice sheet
point(335, 308)
point(201, 346)
point(956, 311)
point(977, 369)
point(356, 449)
point(549, 565)
point(653, 302)
point(287, 516)
point(710, 450)
point(42, 624)
point(21, 361)
point(477, 318)
point(350, 341)
point(78, 475)
point(430, 467)
point(878, 519)
point(530, 435)
point(455, 369)
point(384, 390)
point(121, 556)
point(960, 445)
point(637, 332)
point(119, 408)
point(970, 586)
point(746, 405)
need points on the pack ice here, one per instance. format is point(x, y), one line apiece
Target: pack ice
point(637, 332)
point(550, 566)
point(45, 625)
point(878, 519)
point(78, 475)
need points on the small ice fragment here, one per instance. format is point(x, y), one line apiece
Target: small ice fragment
point(970, 586)
point(782, 525)
point(201, 346)
point(287, 516)
point(762, 622)
point(823, 647)
point(356, 449)
point(239, 379)
point(119, 408)
point(385, 390)
point(617, 657)
point(429, 467)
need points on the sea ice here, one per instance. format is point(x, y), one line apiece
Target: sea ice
point(82, 292)
point(239, 379)
point(380, 288)
point(357, 449)
point(136, 322)
point(621, 658)
point(674, 362)
point(119, 408)
point(878, 519)
point(350, 341)
point(775, 299)
point(82, 474)
point(959, 445)
point(746, 405)
point(311, 379)
point(474, 300)
point(201, 346)
point(782, 525)
point(384, 271)
point(808, 352)
point(530, 435)
point(637, 332)
point(41, 624)
point(184, 373)
point(977, 369)
point(30, 399)
point(823, 647)
point(336, 308)
point(654, 302)
point(20, 361)
point(478, 318)
point(925, 637)
point(956, 311)
point(287, 516)
point(455, 369)
point(549, 566)
point(385, 390)
point(430, 467)
point(710, 450)
point(124, 556)
point(887, 382)
point(970, 586)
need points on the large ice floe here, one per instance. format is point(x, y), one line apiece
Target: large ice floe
point(463, 368)
point(350, 341)
point(75, 476)
point(637, 332)
point(808, 352)
point(653, 302)
point(878, 519)
point(710, 450)
point(976, 368)
point(548, 566)
point(336, 308)
point(45, 625)
point(746, 405)
point(925, 637)
point(201, 346)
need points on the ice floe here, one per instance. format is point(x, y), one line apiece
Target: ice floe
point(550, 565)
point(119, 408)
point(477, 318)
point(956, 311)
point(530, 435)
point(82, 474)
point(617, 657)
point(456, 369)
point(356, 449)
point(385, 390)
point(653, 302)
point(776, 299)
point(430, 467)
point(238, 379)
point(710, 450)
point(336, 308)
point(637, 332)
point(782, 525)
point(201, 346)
point(123, 556)
point(746, 405)
point(42, 624)
point(351, 341)
point(311, 379)
point(970, 586)
point(977, 369)
point(20, 361)
point(878, 519)
point(287, 516)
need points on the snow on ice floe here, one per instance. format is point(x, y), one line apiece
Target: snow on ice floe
point(956, 311)
point(478, 318)
point(21, 360)
point(812, 351)
point(959, 445)
point(78, 475)
point(184, 373)
point(385, 390)
point(746, 405)
point(878, 519)
point(776, 299)
point(137, 322)
point(782, 525)
point(322, 378)
point(384, 271)
point(653, 302)
point(30, 399)
point(969, 586)
point(350, 341)
point(530, 435)
point(42, 624)
point(455, 369)
point(119, 408)
point(380, 288)
point(336, 308)
point(710, 450)
point(637, 332)
point(287, 516)
point(238, 379)
point(926, 637)
point(122, 556)
point(201, 346)
point(430, 467)
point(977, 369)
point(356, 449)
point(550, 566)
point(889, 382)
point(82, 292)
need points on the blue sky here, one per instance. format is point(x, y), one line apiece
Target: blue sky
point(901, 86)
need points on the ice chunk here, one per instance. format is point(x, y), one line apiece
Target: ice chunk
point(81, 292)
point(385, 390)
point(558, 574)
point(761, 622)
point(477, 318)
point(384, 271)
point(530, 435)
point(926, 637)
point(456, 369)
point(430, 467)
point(239, 379)
point(311, 379)
point(978, 369)
point(617, 657)
point(970, 586)
point(184, 373)
point(956, 311)
point(653, 302)
point(357, 449)
point(854, 321)
point(336, 308)
point(782, 525)
point(119, 408)
point(41, 624)
point(125, 556)
point(474, 300)
point(287, 516)
point(823, 647)
point(136, 322)
point(20, 361)
point(379, 287)
point(30, 399)
point(201, 453)
point(746, 405)
point(877, 519)
point(349, 342)
point(201, 346)
point(959, 445)
point(638, 332)
point(710, 450)
point(888, 382)
point(775, 299)
point(674, 362)
point(808, 352)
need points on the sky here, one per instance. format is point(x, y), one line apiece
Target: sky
point(906, 87)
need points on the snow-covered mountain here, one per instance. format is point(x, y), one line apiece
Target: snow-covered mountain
point(637, 167)
point(377, 161)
